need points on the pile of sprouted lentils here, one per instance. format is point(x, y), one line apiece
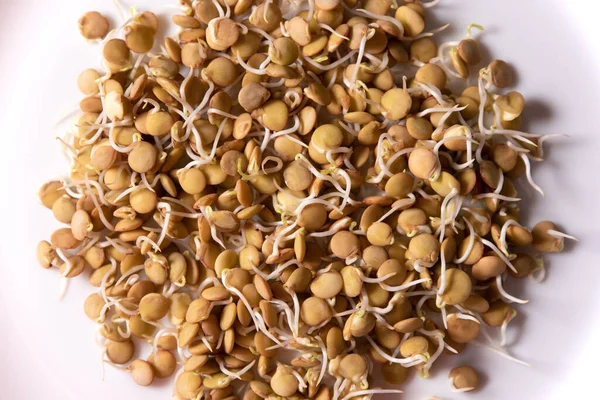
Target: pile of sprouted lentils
point(286, 198)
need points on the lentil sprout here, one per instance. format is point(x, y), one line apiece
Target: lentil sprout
point(272, 180)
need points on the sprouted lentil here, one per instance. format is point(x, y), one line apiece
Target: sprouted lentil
point(293, 177)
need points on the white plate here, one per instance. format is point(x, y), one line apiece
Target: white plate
point(48, 349)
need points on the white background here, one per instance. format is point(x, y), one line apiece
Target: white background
point(47, 349)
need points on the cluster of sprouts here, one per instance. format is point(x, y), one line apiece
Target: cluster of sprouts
point(286, 198)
